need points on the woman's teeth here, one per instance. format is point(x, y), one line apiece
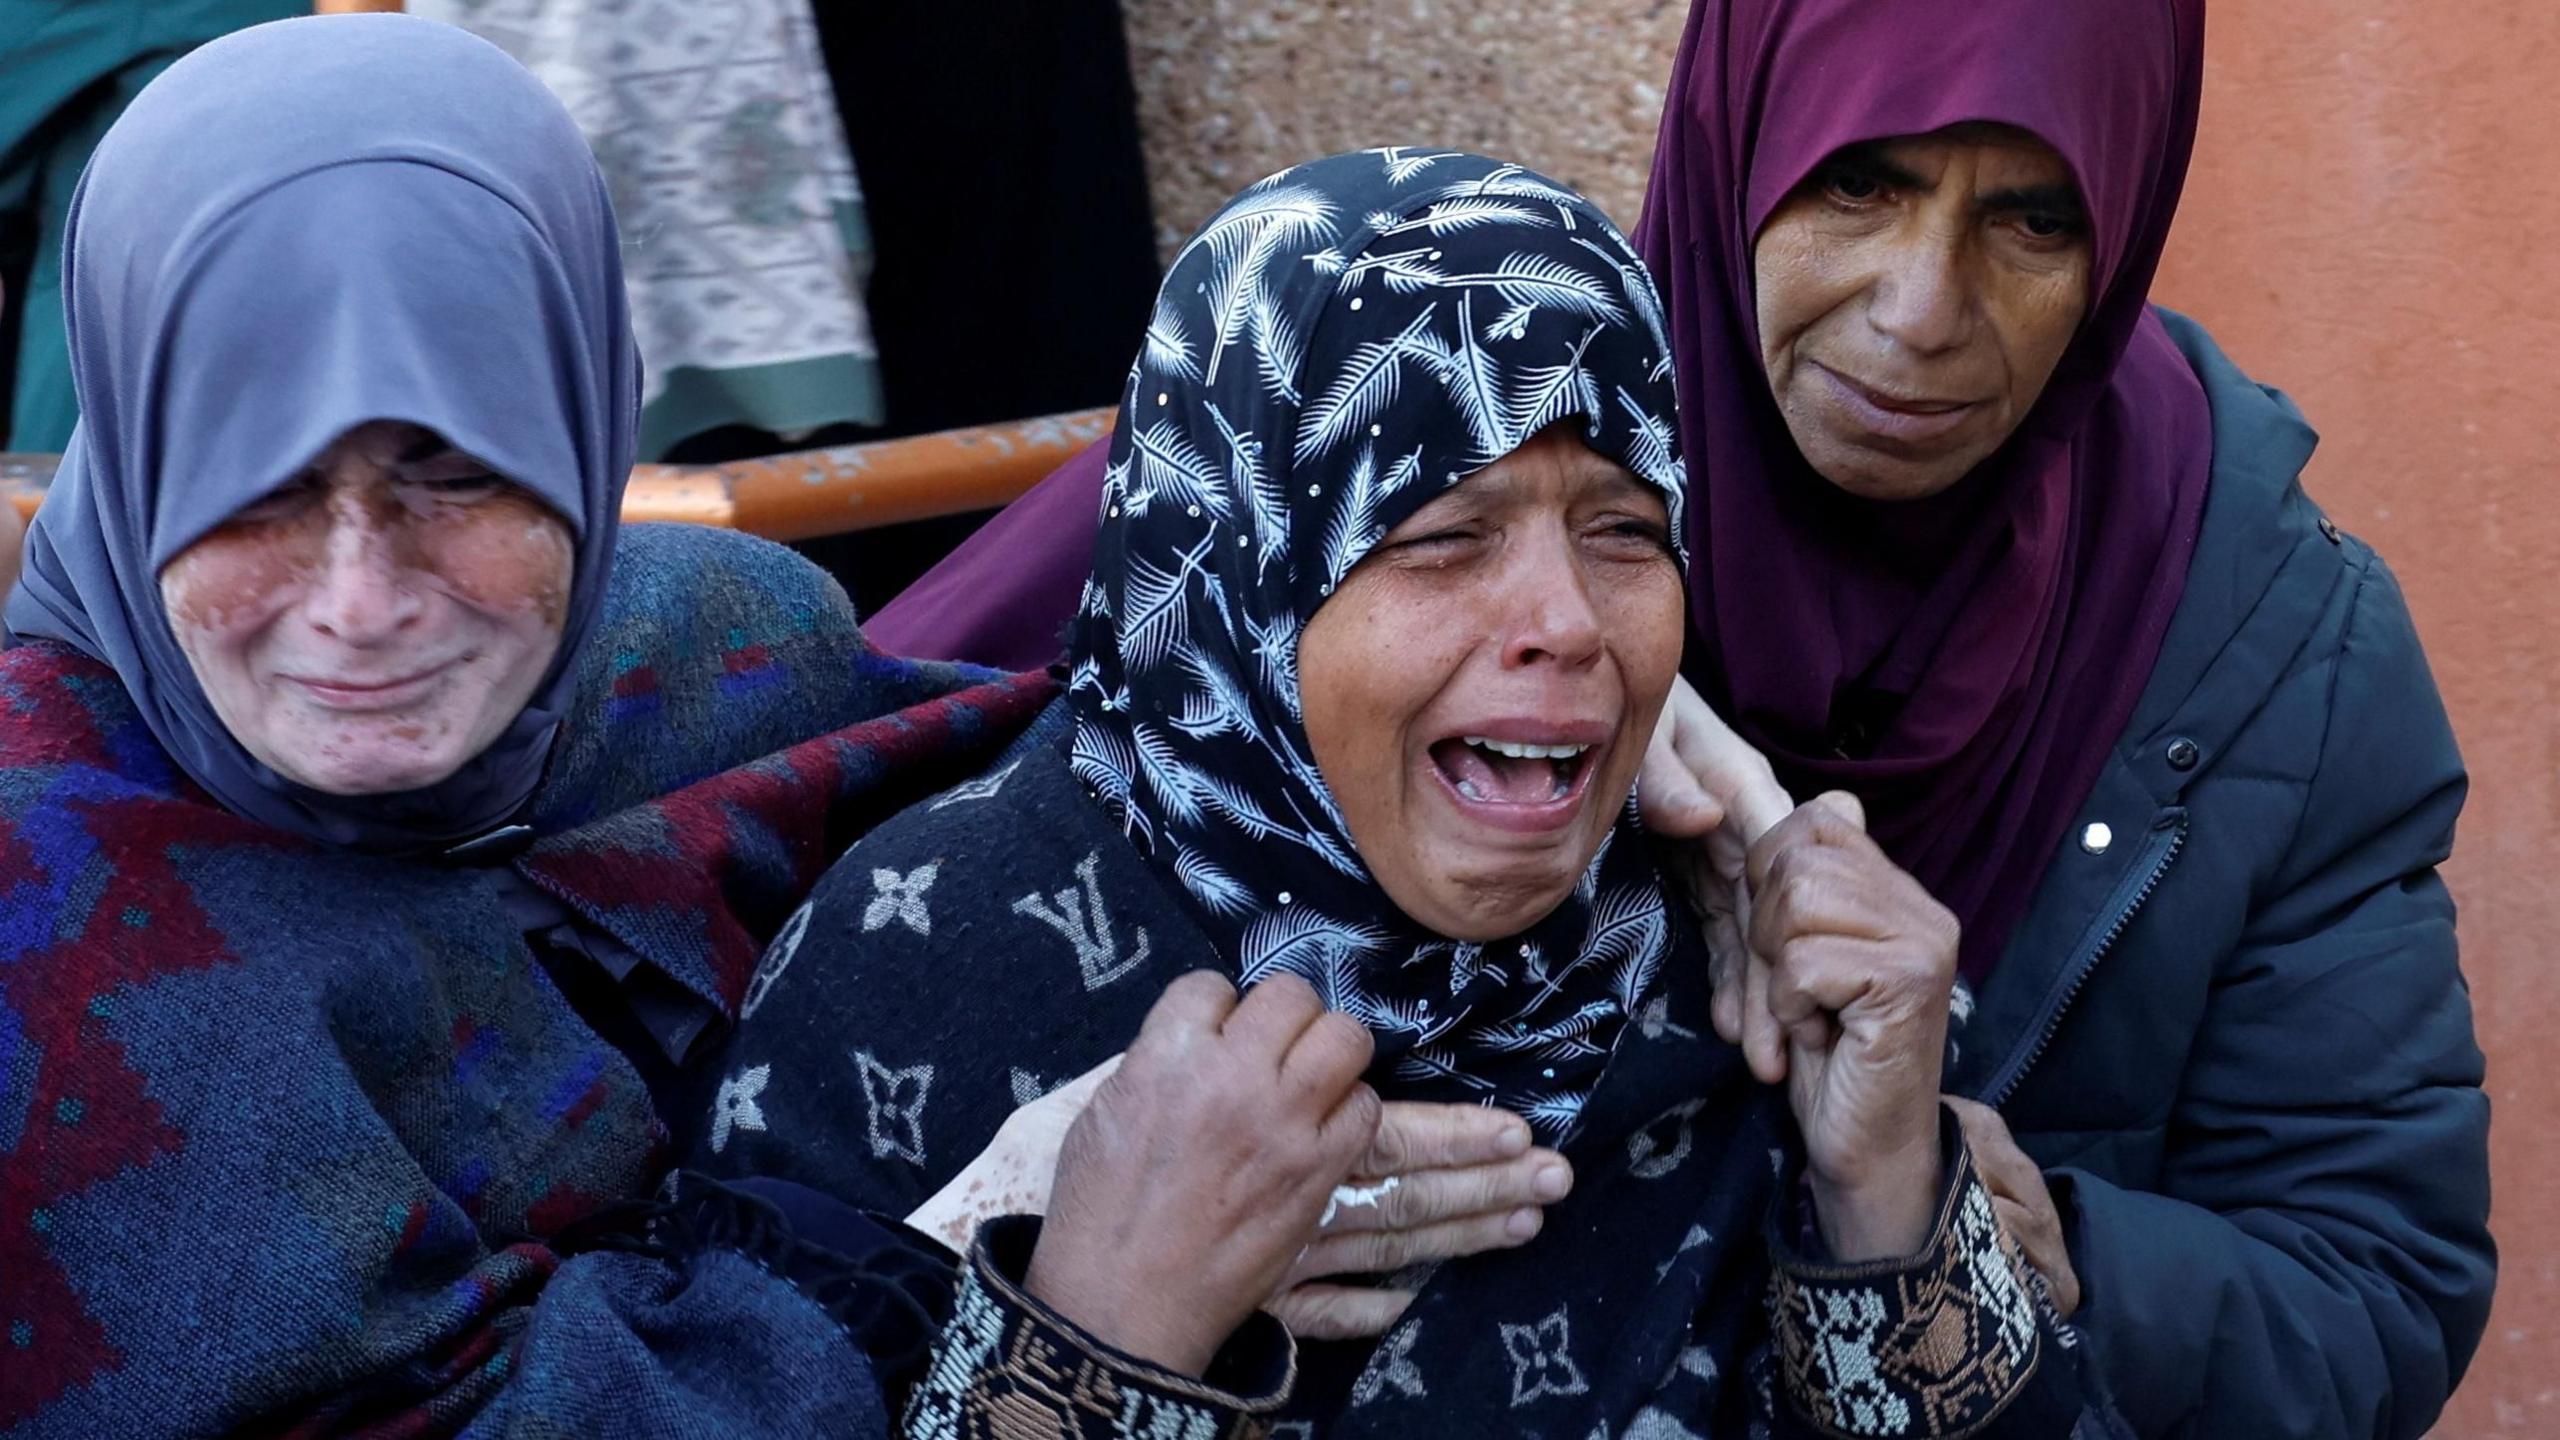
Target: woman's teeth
point(1497, 779)
point(1526, 752)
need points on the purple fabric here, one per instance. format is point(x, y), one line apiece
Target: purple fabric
point(1994, 640)
point(1005, 596)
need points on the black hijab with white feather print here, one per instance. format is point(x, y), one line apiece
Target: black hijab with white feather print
point(1342, 344)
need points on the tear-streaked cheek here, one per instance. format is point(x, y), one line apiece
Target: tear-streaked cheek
point(506, 556)
point(1646, 618)
point(237, 579)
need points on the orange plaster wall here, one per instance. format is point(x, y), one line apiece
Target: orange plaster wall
point(2374, 225)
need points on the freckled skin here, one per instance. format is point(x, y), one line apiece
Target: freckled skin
point(1542, 586)
point(1923, 291)
point(379, 621)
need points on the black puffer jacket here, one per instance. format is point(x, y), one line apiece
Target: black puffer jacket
point(2232, 1029)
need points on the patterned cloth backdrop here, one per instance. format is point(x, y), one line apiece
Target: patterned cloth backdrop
point(747, 249)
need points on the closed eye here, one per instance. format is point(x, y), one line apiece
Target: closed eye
point(1632, 533)
point(283, 500)
point(455, 486)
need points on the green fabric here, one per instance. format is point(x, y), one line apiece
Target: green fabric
point(786, 399)
point(76, 65)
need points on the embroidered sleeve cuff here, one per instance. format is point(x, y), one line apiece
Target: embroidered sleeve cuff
point(1934, 1345)
point(1009, 1365)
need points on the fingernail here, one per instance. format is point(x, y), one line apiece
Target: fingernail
point(1523, 1224)
point(1515, 1141)
point(1552, 1183)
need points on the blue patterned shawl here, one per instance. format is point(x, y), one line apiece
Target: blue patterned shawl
point(291, 1135)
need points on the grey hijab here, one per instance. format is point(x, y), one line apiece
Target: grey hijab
point(296, 229)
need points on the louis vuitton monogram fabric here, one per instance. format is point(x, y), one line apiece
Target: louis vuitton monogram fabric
point(1642, 1309)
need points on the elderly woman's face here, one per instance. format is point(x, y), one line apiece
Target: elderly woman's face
point(1914, 297)
point(1479, 690)
point(381, 620)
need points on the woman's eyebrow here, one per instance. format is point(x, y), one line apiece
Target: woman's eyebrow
point(1869, 159)
point(2062, 196)
point(1617, 480)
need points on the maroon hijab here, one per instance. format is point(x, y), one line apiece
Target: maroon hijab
point(1979, 652)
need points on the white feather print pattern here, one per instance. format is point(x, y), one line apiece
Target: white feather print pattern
point(1630, 921)
point(1105, 763)
point(1260, 488)
point(1275, 654)
point(1169, 345)
point(1404, 472)
point(1170, 780)
point(1640, 297)
point(1244, 459)
point(1367, 383)
point(1465, 212)
point(1170, 464)
point(1234, 294)
point(1355, 518)
point(1239, 809)
point(1298, 939)
point(1219, 706)
point(1295, 212)
point(1587, 889)
point(1547, 393)
point(1433, 1062)
point(1511, 324)
point(1652, 445)
point(1554, 1115)
point(1154, 617)
point(1403, 167)
point(1094, 601)
point(1474, 388)
point(1406, 272)
point(1275, 344)
point(1516, 180)
point(1549, 283)
point(1211, 886)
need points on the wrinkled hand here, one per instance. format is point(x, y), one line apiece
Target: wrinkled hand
point(1187, 1189)
point(1012, 1175)
point(1705, 784)
point(1863, 965)
point(2019, 1195)
point(1440, 1181)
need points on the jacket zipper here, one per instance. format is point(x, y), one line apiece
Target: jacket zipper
point(2168, 844)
